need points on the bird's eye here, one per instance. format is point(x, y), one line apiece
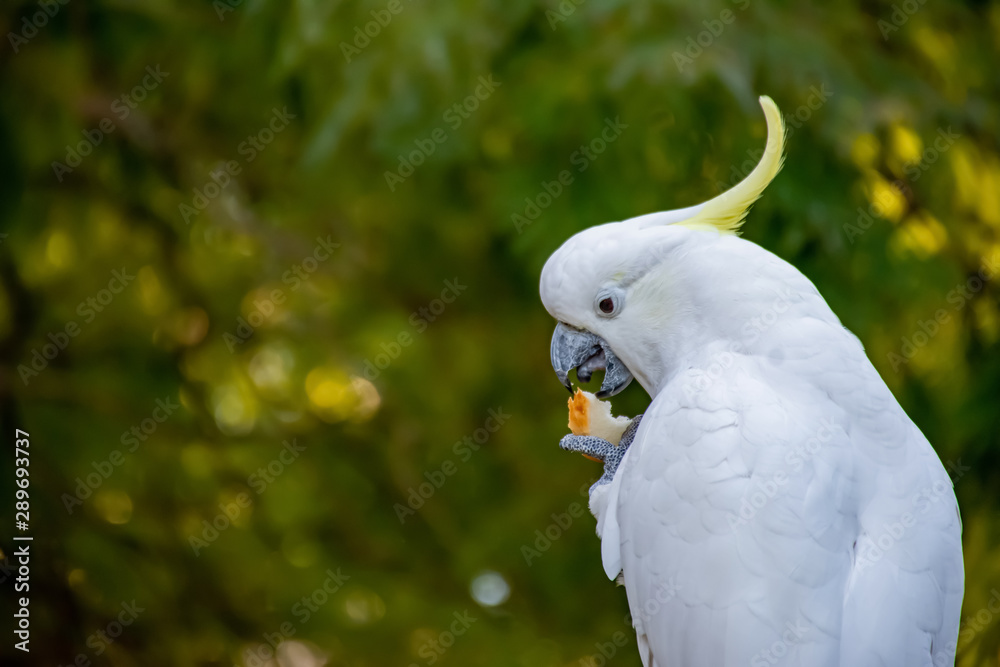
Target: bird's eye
point(608, 303)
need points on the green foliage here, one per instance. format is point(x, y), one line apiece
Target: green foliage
point(256, 306)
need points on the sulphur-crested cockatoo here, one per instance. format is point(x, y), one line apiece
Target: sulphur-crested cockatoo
point(775, 506)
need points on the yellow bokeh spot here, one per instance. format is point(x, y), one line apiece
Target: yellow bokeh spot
point(235, 411)
point(270, 368)
point(920, 234)
point(977, 182)
point(113, 506)
point(988, 203)
point(327, 387)
point(964, 166)
point(330, 393)
point(368, 398)
point(59, 249)
point(334, 396)
point(886, 200)
point(938, 47)
point(906, 145)
point(865, 150)
point(987, 319)
point(990, 257)
point(363, 606)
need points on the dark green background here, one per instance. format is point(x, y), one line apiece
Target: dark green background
point(890, 88)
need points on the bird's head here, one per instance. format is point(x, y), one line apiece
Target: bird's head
point(622, 291)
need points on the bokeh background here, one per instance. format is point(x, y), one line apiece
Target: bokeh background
point(240, 190)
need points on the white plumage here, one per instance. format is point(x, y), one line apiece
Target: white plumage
point(777, 506)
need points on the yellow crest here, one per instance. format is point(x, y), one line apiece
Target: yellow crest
point(727, 212)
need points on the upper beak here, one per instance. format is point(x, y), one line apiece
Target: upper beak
point(572, 349)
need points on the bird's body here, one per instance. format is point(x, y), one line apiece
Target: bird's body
point(776, 505)
point(755, 489)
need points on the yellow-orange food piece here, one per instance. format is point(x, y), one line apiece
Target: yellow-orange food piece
point(579, 420)
point(589, 415)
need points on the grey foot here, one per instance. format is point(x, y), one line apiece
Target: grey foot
point(602, 450)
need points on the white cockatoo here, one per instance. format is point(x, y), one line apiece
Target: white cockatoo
point(775, 505)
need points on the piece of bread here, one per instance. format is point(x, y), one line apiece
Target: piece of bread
point(588, 415)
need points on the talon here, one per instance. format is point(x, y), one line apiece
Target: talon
point(602, 451)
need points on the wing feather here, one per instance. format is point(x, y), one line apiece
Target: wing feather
point(757, 498)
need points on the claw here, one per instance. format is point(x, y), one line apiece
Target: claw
point(599, 449)
point(590, 446)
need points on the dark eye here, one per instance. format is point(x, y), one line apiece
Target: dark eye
point(608, 302)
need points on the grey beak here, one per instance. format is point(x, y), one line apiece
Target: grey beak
point(582, 350)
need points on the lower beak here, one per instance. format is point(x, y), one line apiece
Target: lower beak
point(576, 349)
